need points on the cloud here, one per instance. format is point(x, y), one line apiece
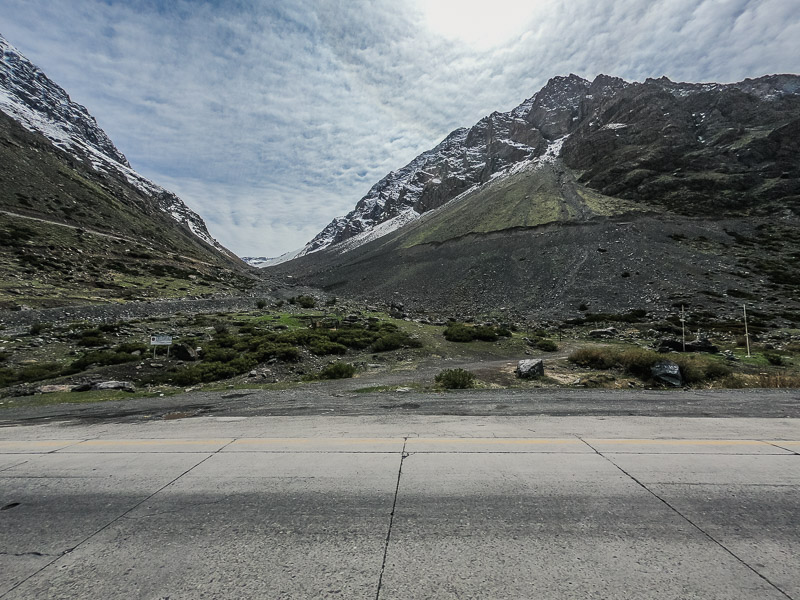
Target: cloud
point(269, 118)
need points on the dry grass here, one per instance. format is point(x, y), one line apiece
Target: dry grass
point(760, 380)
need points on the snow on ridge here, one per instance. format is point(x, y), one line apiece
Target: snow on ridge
point(262, 261)
point(37, 103)
point(380, 230)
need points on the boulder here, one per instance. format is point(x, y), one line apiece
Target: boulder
point(608, 332)
point(530, 368)
point(125, 386)
point(183, 352)
point(701, 345)
point(50, 389)
point(667, 372)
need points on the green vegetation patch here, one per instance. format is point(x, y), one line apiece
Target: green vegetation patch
point(455, 379)
point(460, 332)
point(638, 362)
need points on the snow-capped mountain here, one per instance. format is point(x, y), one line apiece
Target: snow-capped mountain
point(35, 101)
point(466, 158)
point(539, 127)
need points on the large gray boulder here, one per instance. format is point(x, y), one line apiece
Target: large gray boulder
point(667, 372)
point(125, 386)
point(530, 368)
point(608, 332)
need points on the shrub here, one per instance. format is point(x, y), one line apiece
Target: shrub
point(4, 356)
point(774, 358)
point(455, 379)
point(638, 361)
point(99, 358)
point(219, 354)
point(92, 341)
point(220, 328)
point(594, 357)
point(261, 303)
point(484, 333)
point(37, 328)
point(338, 370)
point(547, 345)
point(354, 337)
point(306, 301)
point(322, 346)
point(458, 332)
point(29, 373)
point(395, 341)
point(331, 301)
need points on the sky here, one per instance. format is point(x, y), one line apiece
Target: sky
point(271, 117)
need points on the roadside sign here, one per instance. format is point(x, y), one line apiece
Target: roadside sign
point(160, 340)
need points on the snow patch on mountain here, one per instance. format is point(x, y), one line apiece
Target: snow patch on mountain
point(29, 97)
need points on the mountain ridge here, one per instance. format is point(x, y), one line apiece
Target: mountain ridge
point(30, 97)
point(471, 156)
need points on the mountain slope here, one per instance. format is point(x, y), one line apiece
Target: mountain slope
point(77, 224)
point(639, 196)
point(690, 147)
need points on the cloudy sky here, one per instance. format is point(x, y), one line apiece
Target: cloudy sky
point(271, 117)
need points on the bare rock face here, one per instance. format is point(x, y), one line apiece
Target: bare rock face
point(530, 369)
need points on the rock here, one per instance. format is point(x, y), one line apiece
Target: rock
point(530, 368)
point(125, 386)
point(49, 389)
point(156, 365)
point(183, 352)
point(252, 374)
point(603, 333)
point(701, 345)
point(403, 390)
point(81, 387)
point(667, 372)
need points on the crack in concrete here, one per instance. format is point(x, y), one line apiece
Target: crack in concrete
point(110, 523)
point(794, 452)
point(403, 456)
point(688, 520)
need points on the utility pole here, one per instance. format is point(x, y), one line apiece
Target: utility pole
point(746, 334)
point(683, 328)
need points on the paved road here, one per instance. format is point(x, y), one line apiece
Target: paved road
point(402, 506)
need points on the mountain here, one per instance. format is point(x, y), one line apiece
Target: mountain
point(78, 224)
point(606, 193)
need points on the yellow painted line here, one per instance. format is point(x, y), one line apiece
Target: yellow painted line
point(396, 440)
point(48, 443)
point(493, 441)
point(684, 442)
point(152, 442)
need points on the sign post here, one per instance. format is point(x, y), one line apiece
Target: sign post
point(160, 340)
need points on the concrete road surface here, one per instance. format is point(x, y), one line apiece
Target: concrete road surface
point(402, 506)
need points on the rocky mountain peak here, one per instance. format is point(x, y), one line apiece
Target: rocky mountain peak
point(28, 95)
point(32, 99)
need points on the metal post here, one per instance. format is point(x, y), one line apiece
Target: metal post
point(683, 328)
point(746, 334)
